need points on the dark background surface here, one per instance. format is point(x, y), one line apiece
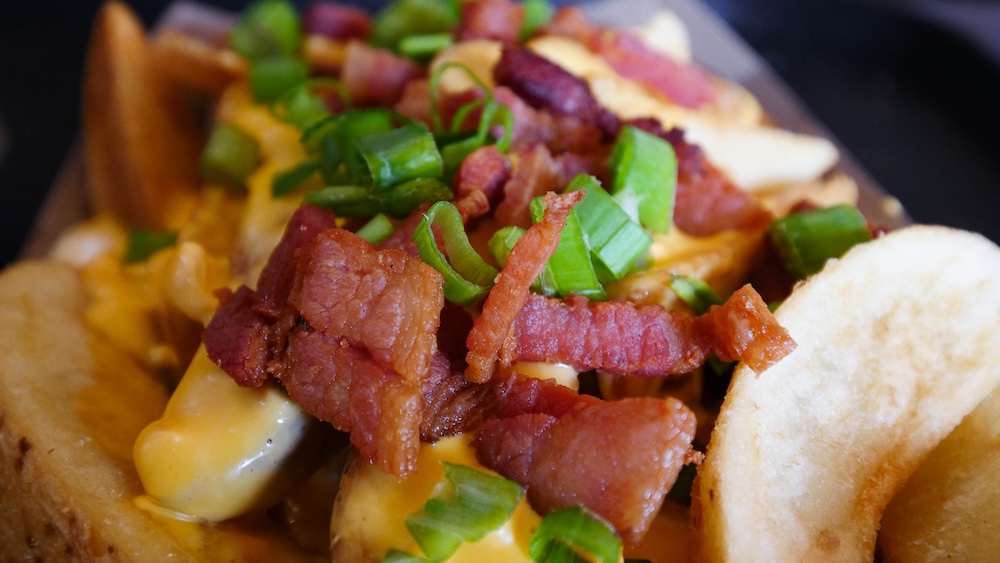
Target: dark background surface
point(910, 93)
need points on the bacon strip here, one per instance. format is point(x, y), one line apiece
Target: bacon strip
point(512, 287)
point(336, 21)
point(621, 338)
point(376, 77)
point(533, 174)
point(499, 20)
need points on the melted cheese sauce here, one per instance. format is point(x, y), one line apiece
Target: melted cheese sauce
point(374, 509)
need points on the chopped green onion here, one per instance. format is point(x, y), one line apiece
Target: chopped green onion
point(587, 536)
point(346, 201)
point(362, 201)
point(401, 154)
point(503, 241)
point(403, 18)
point(396, 556)
point(493, 114)
point(287, 181)
point(536, 14)
point(402, 199)
point(434, 86)
point(569, 269)
point(644, 171)
point(681, 491)
point(616, 241)
point(806, 240)
point(475, 504)
point(423, 47)
point(695, 293)
point(467, 277)
point(143, 243)
point(377, 229)
point(229, 157)
point(304, 108)
point(265, 29)
point(273, 77)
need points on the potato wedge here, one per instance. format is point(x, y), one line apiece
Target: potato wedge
point(67, 424)
point(949, 510)
point(196, 64)
point(897, 342)
point(141, 137)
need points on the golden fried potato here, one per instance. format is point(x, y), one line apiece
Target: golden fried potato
point(70, 410)
point(949, 510)
point(195, 63)
point(897, 342)
point(141, 137)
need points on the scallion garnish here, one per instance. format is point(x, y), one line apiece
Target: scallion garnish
point(467, 277)
point(143, 243)
point(695, 293)
point(273, 77)
point(287, 181)
point(267, 28)
point(503, 241)
point(616, 241)
point(396, 556)
point(229, 157)
point(536, 14)
point(401, 154)
point(401, 199)
point(303, 105)
point(377, 229)
point(574, 534)
point(475, 504)
point(423, 47)
point(404, 18)
point(806, 240)
point(644, 175)
point(569, 269)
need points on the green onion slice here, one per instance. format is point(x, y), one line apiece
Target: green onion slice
point(143, 243)
point(273, 77)
point(503, 241)
point(377, 229)
point(574, 534)
point(474, 504)
point(287, 181)
point(467, 277)
point(569, 269)
point(423, 47)
point(403, 18)
point(695, 293)
point(644, 176)
point(303, 105)
point(401, 154)
point(229, 157)
point(536, 14)
point(806, 240)
point(616, 241)
point(434, 86)
point(396, 556)
point(266, 28)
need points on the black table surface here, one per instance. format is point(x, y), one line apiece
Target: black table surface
point(911, 94)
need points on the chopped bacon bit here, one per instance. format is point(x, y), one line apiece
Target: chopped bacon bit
point(472, 206)
point(383, 300)
point(512, 286)
point(337, 21)
point(247, 330)
point(707, 202)
point(622, 338)
point(375, 76)
point(236, 338)
point(499, 20)
point(547, 86)
point(485, 170)
point(534, 174)
point(341, 384)
point(558, 133)
point(684, 84)
point(571, 22)
point(745, 330)
point(415, 103)
point(617, 458)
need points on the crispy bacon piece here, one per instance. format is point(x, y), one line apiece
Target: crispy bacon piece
point(534, 173)
point(485, 170)
point(247, 331)
point(546, 86)
point(376, 77)
point(621, 338)
point(707, 202)
point(559, 133)
point(382, 300)
point(499, 20)
point(337, 21)
point(512, 287)
point(343, 385)
point(415, 103)
point(684, 84)
point(617, 458)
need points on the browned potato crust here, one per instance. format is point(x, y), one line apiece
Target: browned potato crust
point(141, 137)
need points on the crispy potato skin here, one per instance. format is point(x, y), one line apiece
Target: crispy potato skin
point(140, 134)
